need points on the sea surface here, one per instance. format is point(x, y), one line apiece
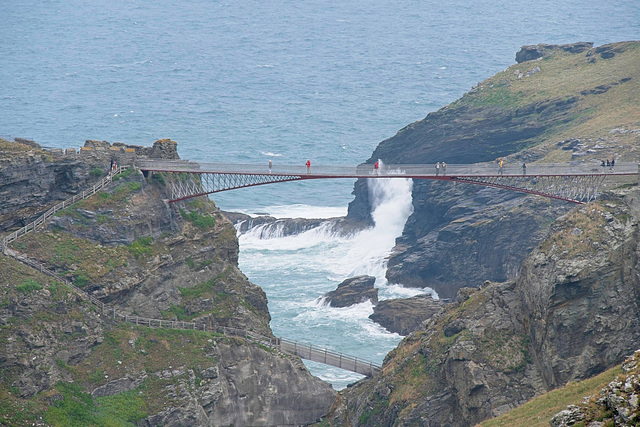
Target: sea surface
point(253, 81)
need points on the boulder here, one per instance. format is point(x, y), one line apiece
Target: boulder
point(353, 291)
point(405, 315)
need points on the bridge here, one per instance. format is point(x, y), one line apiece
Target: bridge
point(278, 344)
point(575, 183)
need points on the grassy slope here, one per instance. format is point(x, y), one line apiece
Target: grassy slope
point(539, 410)
point(565, 75)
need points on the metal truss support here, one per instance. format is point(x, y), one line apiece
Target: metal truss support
point(571, 188)
point(185, 185)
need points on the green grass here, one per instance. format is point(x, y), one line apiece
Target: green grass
point(81, 279)
point(538, 411)
point(79, 408)
point(96, 172)
point(204, 222)
point(125, 174)
point(28, 286)
point(141, 247)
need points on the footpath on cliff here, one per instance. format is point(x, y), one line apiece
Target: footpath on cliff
point(128, 248)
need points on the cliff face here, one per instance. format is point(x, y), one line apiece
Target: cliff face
point(570, 103)
point(557, 286)
point(141, 256)
point(572, 312)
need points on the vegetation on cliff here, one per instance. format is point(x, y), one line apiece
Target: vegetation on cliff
point(557, 297)
point(66, 362)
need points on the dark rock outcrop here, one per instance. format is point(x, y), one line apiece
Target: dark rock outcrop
point(354, 290)
point(530, 53)
point(405, 315)
point(572, 312)
point(270, 227)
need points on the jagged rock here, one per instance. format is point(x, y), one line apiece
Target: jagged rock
point(405, 315)
point(530, 53)
point(270, 227)
point(353, 291)
point(566, 316)
point(567, 417)
point(617, 403)
point(117, 386)
point(165, 149)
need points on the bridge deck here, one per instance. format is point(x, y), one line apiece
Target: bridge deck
point(571, 182)
point(391, 171)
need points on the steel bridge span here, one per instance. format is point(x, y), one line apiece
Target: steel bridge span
point(575, 183)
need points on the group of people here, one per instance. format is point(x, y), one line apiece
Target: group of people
point(608, 164)
point(441, 166)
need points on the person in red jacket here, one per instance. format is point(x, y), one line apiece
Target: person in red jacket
point(308, 165)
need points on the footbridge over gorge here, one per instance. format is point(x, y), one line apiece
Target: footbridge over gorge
point(575, 183)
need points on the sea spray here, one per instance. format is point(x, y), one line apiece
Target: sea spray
point(296, 270)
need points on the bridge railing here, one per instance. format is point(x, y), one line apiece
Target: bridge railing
point(478, 169)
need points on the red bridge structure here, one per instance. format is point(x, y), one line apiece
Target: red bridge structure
point(572, 182)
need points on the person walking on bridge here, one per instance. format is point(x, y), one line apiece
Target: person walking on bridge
point(500, 166)
point(308, 165)
point(375, 168)
point(444, 168)
point(270, 164)
point(437, 168)
point(524, 168)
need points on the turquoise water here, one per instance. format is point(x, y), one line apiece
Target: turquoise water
point(248, 81)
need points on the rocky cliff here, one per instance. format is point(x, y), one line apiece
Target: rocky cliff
point(616, 404)
point(557, 296)
point(572, 311)
point(558, 104)
point(65, 363)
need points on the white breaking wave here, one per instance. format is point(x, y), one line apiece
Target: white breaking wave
point(295, 271)
point(364, 252)
point(300, 211)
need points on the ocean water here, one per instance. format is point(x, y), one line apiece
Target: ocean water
point(249, 81)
